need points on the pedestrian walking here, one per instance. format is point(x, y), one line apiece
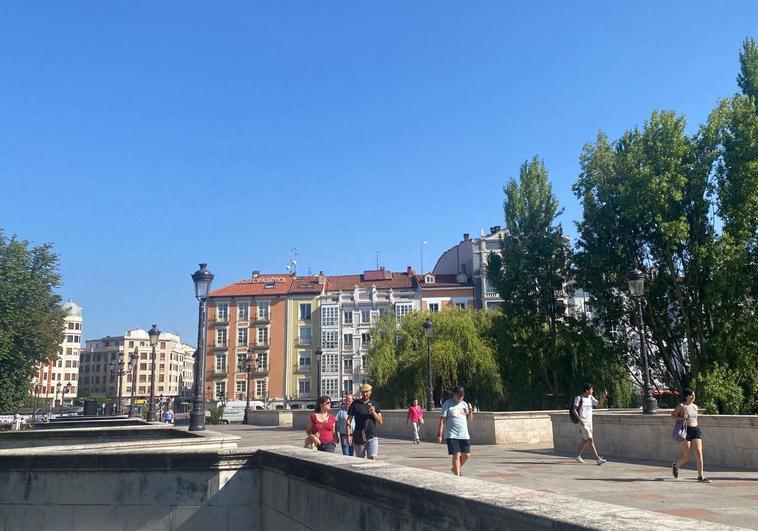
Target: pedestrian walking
point(583, 405)
point(367, 414)
point(454, 418)
point(688, 411)
point(168, 416)
point(415, 419)
point(321, 427)
point(341, 420)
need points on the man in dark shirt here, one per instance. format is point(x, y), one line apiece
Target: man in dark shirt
point(367, 415)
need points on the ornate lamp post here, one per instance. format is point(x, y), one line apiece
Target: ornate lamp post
point(636, 280)
point(319, 353)
point(35, 382)
point(117, 369)
point(57, 390)
point(154, 333)
point(133, 358)
point(66, 389)
point(246, 365)
point(428, 332)
point(202, 279)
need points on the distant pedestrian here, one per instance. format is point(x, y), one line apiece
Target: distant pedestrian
point(454, 418)
point(367, 414)
point(168, 416)
point(415, 419)
point(341, 419)
point(321, 427)
point(583, 405)
point(688, 411)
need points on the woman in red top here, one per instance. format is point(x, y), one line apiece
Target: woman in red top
point(416, 418)
point(321, 427)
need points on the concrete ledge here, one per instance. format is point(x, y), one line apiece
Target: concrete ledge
point(277, 417)
point(728, 440)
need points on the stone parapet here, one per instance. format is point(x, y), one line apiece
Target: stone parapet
point(728, 440)
point(278, 417)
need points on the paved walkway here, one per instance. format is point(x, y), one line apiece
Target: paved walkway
point(732, 498)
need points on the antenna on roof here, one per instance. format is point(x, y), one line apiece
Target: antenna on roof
point(421, 250)
point(377, 259)
point(292, 265)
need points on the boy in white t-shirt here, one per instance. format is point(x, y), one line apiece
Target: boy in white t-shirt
point(583, 405)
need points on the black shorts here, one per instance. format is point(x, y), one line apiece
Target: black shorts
point(693, 432)
point(458, 446)
point(328, 447)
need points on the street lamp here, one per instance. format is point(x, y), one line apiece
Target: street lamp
point(154, 333)
point(636, 280)
point(133, 358)
point(246, 365)
point(319, 353)
point(202, 279)
point(66, 389)
point(428, 332)
point(57, 390)
point(118, 370)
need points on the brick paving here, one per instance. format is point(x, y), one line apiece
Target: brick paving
point(732, 498)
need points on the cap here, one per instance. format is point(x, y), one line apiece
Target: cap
point(365, 387)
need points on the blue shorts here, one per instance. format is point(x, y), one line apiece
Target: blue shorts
point(458, 446)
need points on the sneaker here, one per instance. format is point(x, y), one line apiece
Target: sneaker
point(675, 470)
point(579, 459)
point(701, 479)
point(600, 461)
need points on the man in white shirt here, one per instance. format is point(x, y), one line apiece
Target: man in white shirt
point(583, 405)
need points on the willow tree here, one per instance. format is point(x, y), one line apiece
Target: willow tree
point(462, 353)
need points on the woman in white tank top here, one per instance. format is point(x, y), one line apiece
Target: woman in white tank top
point(688, 410)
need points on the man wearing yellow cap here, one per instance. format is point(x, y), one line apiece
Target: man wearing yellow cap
point(367, 414)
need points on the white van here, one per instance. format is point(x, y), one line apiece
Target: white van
point(234, 411)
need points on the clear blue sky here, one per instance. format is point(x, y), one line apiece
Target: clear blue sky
point(143, 137)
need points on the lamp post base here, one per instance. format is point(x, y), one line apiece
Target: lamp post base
point(246, 420)
point(197, 421)
point(649, 406)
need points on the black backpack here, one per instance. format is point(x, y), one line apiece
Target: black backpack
point(573, 410)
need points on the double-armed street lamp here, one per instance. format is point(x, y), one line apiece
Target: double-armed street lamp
point(57, 390)
point(154, 334)
point(202, 279)
point(66, 389)
point(247, 364)
point(428, 332)
point(118, 370)
point(636, 280)
point(133, 359)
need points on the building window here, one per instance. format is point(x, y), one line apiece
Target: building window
point(347, 365)
point(242, 336)
point(222, 311)
point(347, 385)
point(305, 312)
point(221, 363)
point(429, 279)
point(263, 361)
point(329, 315)
point(242, 311)
point(329, 386)
point(221, 338)
point(434, 307)
point(219, 390)
point(366, 316)
point(461, 305)
point(401, 310)
point(260, 388)
point(365, 339)
point(329, 362)
point(262, 336)
point(347, 341)
point(304, 335)
point(329, 339)
point(240, 387)
point(303, 387)
point(263, 310)
point(304, 360)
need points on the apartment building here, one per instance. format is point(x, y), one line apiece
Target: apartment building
point(437, 292)
point(57, 380)
point(303, 333)
point(175, 363)
point(248, 315)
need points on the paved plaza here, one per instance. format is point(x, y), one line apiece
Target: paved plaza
point(732, 498)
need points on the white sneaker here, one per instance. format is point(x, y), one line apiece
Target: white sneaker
point(579, 459)
point(600, 461)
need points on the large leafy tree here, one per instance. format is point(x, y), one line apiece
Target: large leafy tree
point(545, 352)
point(685, 209)
point(31, 318)
point(462, 353)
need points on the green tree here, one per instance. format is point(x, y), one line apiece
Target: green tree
point(31, 318)
point(544, 352)
point(462, 353)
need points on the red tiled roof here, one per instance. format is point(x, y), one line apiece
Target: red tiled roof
point(256, 286)
point(377, 274)
point(348, 282)
point(306, 285)
point(442, 281)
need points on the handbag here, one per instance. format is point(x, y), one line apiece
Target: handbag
point(680, 430)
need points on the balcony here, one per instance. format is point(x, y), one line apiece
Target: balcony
point(303, 368)
point(263, 318)
point(221, 345)
point(304, 341)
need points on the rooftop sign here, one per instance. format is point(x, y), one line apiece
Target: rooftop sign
point(269, 280)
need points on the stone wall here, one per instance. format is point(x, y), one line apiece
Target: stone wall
point(277, 417)
point(518, 427)
point(728, 440)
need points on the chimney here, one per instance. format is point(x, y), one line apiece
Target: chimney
point(410, 271)
point(321, 278)
point(495, 229)
point(466, 236)
point(256, 273)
